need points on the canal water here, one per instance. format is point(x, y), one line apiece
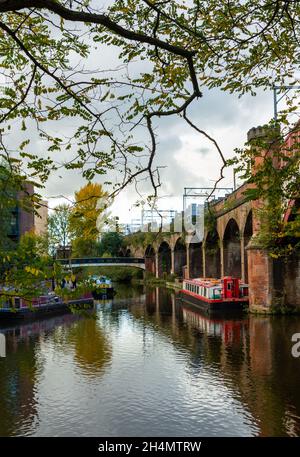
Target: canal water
point(144, 365)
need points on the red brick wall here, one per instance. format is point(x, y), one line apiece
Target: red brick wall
point(273, 282)
point(260, 276)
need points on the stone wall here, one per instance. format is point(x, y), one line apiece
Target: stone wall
point(292, 282)
point(286, 282)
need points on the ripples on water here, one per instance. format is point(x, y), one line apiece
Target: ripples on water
point(146, 366)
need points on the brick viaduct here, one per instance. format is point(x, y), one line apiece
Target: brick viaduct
point(229, 249)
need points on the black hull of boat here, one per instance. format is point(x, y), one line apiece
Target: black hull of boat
point(104, 293)
point(211, 307)
point(45, 310)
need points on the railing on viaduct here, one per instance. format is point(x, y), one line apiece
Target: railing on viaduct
point(104, 261)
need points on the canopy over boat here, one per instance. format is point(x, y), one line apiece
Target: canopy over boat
point(101, 280)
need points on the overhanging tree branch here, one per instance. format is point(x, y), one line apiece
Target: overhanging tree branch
point(101, 19)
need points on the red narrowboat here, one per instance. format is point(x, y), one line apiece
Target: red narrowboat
point(226, 294)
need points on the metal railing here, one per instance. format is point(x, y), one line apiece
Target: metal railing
point(102, 260)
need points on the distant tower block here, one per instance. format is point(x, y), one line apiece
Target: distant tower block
point(40, 219)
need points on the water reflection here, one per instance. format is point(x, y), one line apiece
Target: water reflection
point(148, 365)
point(92, 348)
point(20, 371)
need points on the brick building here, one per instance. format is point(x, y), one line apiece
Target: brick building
point(23, 219)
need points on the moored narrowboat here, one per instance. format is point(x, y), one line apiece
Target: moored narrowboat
point(226, 294)
point(102, 287)
point(45, 305)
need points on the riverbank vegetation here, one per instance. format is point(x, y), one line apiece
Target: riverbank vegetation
point(27, 269)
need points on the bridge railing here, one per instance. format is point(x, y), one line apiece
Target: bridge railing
point(102, 260)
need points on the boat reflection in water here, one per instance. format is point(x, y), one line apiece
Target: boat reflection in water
point(15, 331)
point(229, 329)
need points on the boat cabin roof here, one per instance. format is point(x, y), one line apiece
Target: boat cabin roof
point(209, 282)
point(205, 282)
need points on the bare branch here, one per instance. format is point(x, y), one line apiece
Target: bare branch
point(202, 132)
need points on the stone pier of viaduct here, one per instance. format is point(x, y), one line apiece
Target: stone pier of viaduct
point(228, 249)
